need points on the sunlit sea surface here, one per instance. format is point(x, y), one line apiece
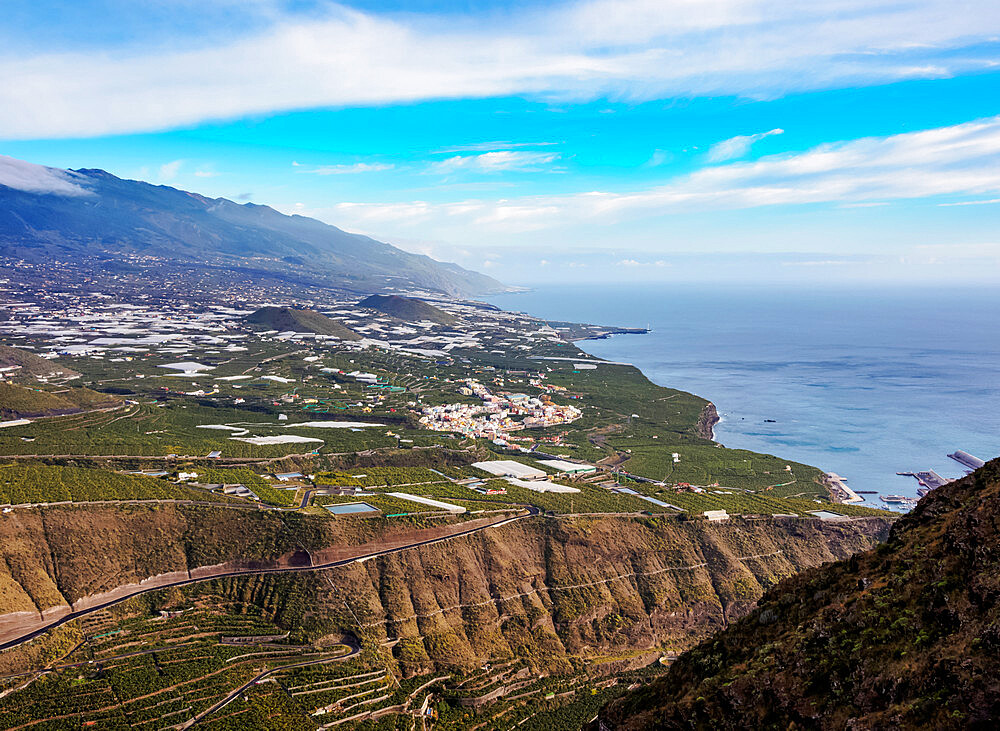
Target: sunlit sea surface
point(861, 382)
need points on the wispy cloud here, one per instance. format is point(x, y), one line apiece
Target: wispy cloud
point(658, 158)
point(971, 203)
point(353, 169)
point(32, 178)
point(636, 264)
point(169, 170)
point(496, 162)
point(958, 160)
point(626, 49)
point(816, 263)
point(736, 147)
point(491, 147)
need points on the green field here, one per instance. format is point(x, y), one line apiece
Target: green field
point(35, 483)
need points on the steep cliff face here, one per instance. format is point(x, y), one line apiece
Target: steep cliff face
point(707, 421)
point(904, 636)
point(541, 589)
point(546, 590)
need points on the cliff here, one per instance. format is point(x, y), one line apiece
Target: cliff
point(548, 590)
point(903, 636)
point(541, 589)
point(707, 420)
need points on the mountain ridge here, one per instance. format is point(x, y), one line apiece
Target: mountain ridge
point(49, 213)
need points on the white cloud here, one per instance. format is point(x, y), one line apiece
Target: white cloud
point(498, 161)
point(169, 171)
point(358, 167)
point(972, 203)
point(627, 49)
point(960, 160)
point(491, 146)
point(635, 264)
point(737, 146)
point(658, 158)
point(32, 178)
point(816, 263)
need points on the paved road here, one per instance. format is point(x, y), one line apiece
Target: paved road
point(530, 510)
point(349, 641)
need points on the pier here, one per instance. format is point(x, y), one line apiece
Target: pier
point(967, 460)
point(928, 479)
point(841, 492)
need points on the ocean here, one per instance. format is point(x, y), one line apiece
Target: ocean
point(862, 382)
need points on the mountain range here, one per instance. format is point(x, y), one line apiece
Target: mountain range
point(50, 214)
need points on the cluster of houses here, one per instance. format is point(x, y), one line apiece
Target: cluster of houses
point(493, 418)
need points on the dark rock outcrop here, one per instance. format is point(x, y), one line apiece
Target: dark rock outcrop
point(903, 636)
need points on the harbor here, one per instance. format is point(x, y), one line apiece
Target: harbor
point(931, 480)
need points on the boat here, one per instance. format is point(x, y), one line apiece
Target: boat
point(896, 499)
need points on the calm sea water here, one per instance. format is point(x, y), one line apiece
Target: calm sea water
point(864, 383)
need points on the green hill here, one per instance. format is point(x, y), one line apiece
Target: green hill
point(407, 309)
point(903, 636)
point(31, 364)
point(19, 402)
point(302, 321)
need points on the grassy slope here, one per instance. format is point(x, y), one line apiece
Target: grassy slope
point(31, 364)
point(902, 636)
point(288, 318)
point(407, 309)
point(17, 401)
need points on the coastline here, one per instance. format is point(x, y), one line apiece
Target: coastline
point(709, 416)
point(866, 389)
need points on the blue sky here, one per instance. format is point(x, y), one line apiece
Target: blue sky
point(665, 140)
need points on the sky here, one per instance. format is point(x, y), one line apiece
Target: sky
point(834, 142)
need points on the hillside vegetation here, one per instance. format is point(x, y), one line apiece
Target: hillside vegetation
point(299, 320)
point(407, 309)
point(21, 401)
point(30, 364)
point(540, 589)
point(33, 483)
point(904, 636)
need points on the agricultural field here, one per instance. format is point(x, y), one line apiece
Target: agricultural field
point(380, 477)
point(37, 483)
point(742, 502)
point(171, 657)
point(525, 611)
point(267, 491)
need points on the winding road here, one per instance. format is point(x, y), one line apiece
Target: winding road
point(348, 641)
point(529, 510)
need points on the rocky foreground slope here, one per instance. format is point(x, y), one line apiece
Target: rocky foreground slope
point(903, 636)
point(540, 589)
